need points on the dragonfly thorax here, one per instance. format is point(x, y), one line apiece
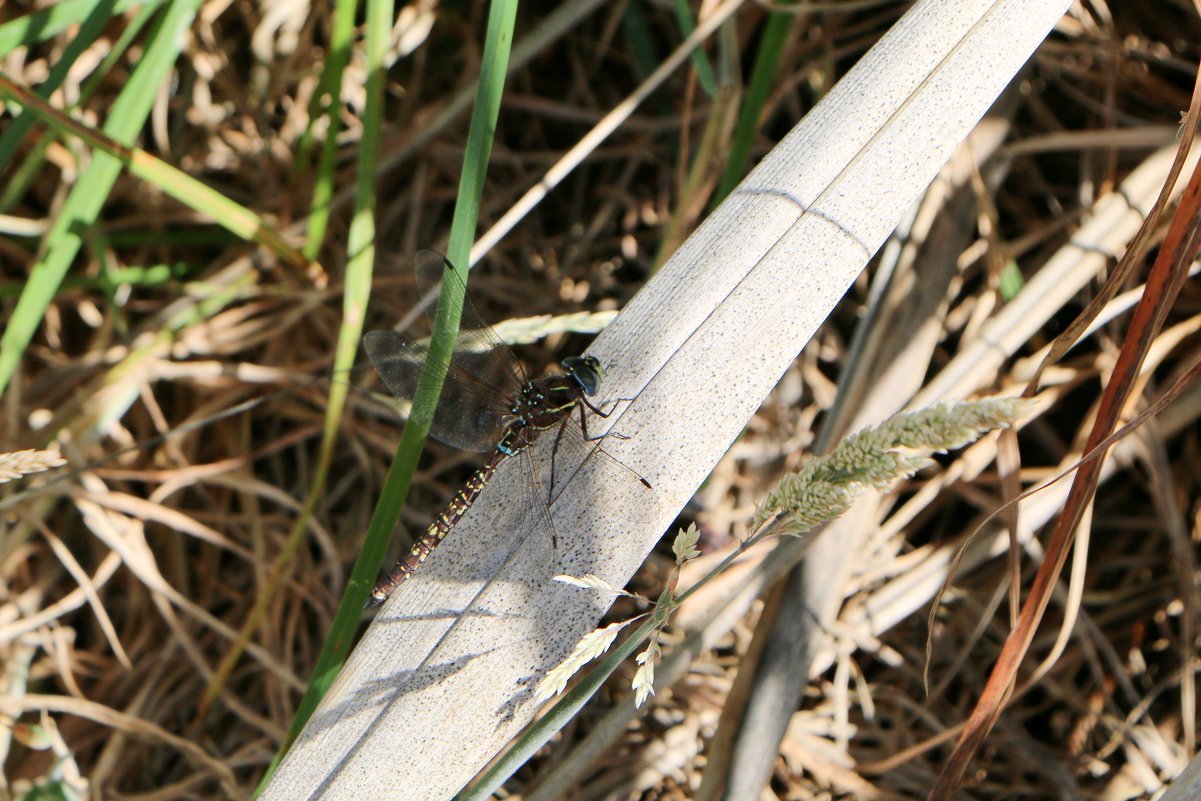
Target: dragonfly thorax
point(545, 402)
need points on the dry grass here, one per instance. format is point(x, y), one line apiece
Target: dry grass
point(123, 585)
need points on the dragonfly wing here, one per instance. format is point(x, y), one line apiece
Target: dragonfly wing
point(555, 461)
point(568, 449)
point(469, 416)
point(479, 350)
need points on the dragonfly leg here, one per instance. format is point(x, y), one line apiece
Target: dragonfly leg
point(584, 423)
point(597, 410)
point(601, 413)
point(584, 430)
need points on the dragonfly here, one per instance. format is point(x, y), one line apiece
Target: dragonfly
point(488, 405)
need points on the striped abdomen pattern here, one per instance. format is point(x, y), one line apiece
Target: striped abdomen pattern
point(437, 530)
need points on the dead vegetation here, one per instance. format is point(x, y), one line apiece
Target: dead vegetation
point(184, 370)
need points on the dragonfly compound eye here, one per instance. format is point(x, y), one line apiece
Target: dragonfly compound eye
point(586, 371)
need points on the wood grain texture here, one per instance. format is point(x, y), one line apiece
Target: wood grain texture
point(445, 675)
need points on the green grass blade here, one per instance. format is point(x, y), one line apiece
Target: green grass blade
point(76, 45)
point(354, 299)
point(125, 120)
point(31, 163)
point(43, 25)
point(559, 715)
point(326, 105)
point(361, 247)
point(639, 41)
point(700, 61)
point(497, 46)
point(233, 217)
point(767, 60)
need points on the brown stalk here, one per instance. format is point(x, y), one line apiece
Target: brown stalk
point(1163, 285)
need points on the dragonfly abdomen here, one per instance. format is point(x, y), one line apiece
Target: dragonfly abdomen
point(515, 440)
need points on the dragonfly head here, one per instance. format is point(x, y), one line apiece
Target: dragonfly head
point(586, 371)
